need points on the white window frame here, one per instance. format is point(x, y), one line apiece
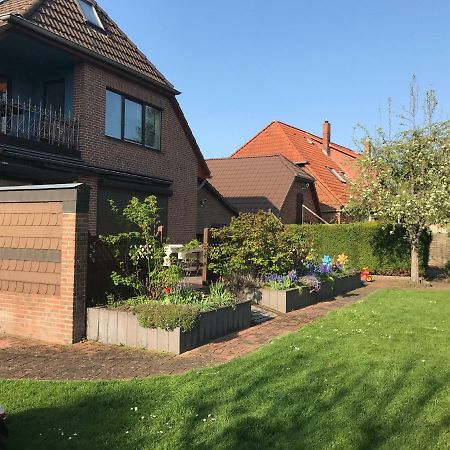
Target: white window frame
point(98, 23)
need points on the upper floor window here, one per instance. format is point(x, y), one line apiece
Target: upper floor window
point(90, 13)
point(132, 121)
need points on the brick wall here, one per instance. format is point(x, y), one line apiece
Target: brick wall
point(43, 254)
point(289, 210)
point(92, 182)
point(211, 211)
point(176, 160)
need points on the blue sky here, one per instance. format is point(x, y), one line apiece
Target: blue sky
point(242, 63)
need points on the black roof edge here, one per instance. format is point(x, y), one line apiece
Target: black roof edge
point(48, 160)
point(30, 26)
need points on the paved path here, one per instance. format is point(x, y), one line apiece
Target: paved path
point(20, 358)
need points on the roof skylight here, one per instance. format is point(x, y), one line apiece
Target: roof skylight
point(90, 13)
point(339, 176)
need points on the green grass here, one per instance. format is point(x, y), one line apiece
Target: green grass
point(374, 375)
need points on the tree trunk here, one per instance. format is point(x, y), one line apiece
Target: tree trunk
point(415, 277)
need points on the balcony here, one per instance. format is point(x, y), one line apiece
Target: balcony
point(38, 128)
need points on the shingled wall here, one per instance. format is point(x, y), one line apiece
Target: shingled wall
point(43, 255)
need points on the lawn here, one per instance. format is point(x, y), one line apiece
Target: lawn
point(373, 375)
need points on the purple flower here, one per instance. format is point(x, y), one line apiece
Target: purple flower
point(311, 282)
point(325, 268)
point(292, 275)
point(274, 278)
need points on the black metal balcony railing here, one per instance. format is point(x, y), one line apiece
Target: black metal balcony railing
point(29, 122)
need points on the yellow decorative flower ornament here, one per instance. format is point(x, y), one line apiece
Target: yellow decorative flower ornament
point(342, 259)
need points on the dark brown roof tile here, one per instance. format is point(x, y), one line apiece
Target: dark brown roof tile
point(258, 183)
point(65, 19)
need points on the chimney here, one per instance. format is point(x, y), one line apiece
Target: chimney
point(326, 137)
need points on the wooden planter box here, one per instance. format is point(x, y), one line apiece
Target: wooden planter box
point(110, 326)
point(292, 299)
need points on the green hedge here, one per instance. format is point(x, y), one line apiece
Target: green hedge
point(380, 247)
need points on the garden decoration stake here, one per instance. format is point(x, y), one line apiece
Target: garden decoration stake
point(342, 260)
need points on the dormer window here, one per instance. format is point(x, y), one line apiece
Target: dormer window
point(90, 14)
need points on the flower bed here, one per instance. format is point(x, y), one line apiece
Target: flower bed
point(113, 326)
point(154, 307)
point(295, 298)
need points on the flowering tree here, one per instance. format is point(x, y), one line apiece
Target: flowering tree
point(405, 178)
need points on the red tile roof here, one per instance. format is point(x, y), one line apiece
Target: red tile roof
point(299, 146)
point(255, 183)
point(65, 19)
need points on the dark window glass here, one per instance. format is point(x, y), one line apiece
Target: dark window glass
point(90, 14)
point(113, 119)
point(152, 127)
point(109, 222)
point(3, 88)
point(55, 93)
point(133, 121)
point(299, 209)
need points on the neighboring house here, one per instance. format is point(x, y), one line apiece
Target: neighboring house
point(267, 183)
point(79, 102)
point(331, 165)
point(213, 210)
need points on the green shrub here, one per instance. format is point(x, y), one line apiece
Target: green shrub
point(154, 314)
point(219, 296)
point(253, 244)
point(178, 308)
point(382, 248)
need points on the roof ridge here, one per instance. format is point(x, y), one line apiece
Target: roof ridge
point(253, 138)
point(132, 43)
point(289, 164)
point(288, 138)
point(320, 139)
point(243, 157)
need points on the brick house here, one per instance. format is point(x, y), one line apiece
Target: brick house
point(263, 183)
point(213, 210)
point(80, 103)
point(331, 165)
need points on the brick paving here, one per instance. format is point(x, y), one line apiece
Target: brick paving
point(26, 359)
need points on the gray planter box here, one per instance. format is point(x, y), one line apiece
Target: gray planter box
point(110, 326)
point(292, 299)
